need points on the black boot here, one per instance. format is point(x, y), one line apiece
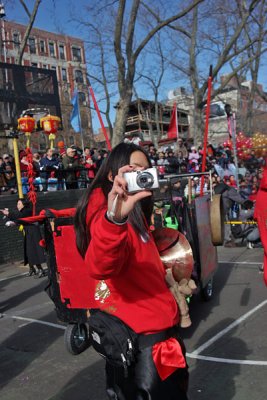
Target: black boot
point(41, 271)
point(32, 271)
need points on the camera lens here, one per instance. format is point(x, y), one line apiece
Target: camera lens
point(145, 180)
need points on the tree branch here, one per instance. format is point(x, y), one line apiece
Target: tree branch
point(117, 45)
point(25, 8)
point(28, 30)
point(164, 23)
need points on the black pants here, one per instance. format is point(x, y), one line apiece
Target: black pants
point(143, 381)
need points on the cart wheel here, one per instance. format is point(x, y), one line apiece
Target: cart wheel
point(207, 291)
point(217, 220)
point(76, 338)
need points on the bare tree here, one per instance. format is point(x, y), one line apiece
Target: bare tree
point(32, 16)
point(214, 34)
point(127, 55)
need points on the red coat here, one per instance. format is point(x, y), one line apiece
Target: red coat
point(91, 167)
point(260, 215)
point(129, 274)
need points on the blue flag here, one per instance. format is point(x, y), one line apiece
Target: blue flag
point(75, 115)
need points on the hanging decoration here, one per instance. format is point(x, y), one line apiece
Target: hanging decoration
point(31, 175)
point(26, 125)
point(50, 125)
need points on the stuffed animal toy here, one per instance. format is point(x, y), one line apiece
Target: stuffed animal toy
point(180, 290)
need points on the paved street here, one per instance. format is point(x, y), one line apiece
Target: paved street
point(226, 345)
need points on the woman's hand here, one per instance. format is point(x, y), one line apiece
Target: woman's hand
point(125, 202)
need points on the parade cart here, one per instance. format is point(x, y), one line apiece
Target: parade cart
point(200, 219)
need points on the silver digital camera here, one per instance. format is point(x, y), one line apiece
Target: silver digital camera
point(142, 180)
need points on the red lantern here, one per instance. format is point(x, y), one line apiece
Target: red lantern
point(50, 124)
point(26, 124)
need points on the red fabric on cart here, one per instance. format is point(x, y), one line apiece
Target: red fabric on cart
point(31, 220)
point(66, 212)
point(75, 283)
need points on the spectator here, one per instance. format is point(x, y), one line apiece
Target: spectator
point(70, 165)
point(193, 156)
point(173, 164)
point(10, 179)
point(230, 196)
point(89, 164)
point(182, 147)
point(162, 163)
point(152, 154)
point(49, 163)
point(33, 252)
point(6, 161)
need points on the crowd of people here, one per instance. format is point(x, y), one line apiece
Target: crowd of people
point(53, 170)
point(74, 168)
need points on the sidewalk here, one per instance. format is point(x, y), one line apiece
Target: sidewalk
point(12, 270)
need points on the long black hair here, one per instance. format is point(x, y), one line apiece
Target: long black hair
point(139, 218)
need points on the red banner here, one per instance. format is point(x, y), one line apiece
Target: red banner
point(173, 127)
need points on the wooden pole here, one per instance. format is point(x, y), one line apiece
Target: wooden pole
point(204, 157)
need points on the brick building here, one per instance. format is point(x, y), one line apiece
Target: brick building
point(66, 56)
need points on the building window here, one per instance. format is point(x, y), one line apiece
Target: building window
point(35, 65)
point(61, 52)
point(64, 75)
point(42, 46)
point(54, 68)
point(82, 98)
point(52, 49)
point(76, 54)
point(78, 76)
point(16, 40)
point(32, 46)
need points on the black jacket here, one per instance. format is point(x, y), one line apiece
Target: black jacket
point(33, 252)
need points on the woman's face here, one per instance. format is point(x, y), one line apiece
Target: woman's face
point(20, 205)
point(139, 160)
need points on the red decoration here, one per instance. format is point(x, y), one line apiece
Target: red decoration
point(26, 124)
point(31, 174)
point(50, 124)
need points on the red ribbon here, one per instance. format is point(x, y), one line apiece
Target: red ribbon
point(167, 357)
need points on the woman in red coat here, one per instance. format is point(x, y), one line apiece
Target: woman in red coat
point(260, 215)
point(121, 256)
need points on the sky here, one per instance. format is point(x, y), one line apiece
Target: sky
point(57, 16)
